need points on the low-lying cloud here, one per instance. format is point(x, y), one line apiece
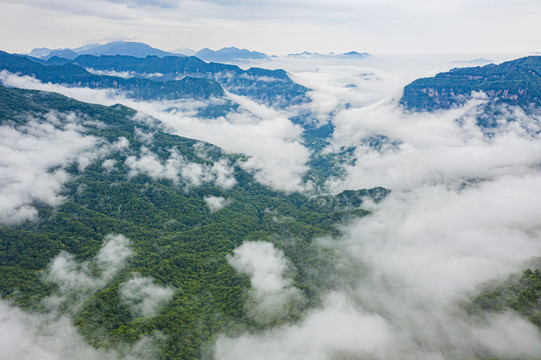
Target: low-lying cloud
point(33, 159)
point(178, 169)
point(143, 297)
point(215, 203)
point(464, 211)
point(76, 280)
point(36, 336)
point(434, 147)
point(404, 274)
point(270, 275)
point(271, 141)
point(51, 334)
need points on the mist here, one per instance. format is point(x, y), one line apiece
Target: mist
point(271, 277)
point(464, 211)
point(273, 144)
point(50, 333)
point(34, 157)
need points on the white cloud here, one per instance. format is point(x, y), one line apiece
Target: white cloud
point(76, 280)
point(443, 146)
point(143, 296)
point(403, 274)
point(337, 330)
point(109, 164)
point(280, 26)
point(122, 74)
point(33, 336)
point(51, 334)
point(33, 158)
point(96, 96)
point(113, 255)
point(215, 203)
point(144, 137)
point(272, 142)
point(271, 277)
point(176, 168)
point(464, 210)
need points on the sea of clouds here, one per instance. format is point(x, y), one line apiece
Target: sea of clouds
point(464, 210)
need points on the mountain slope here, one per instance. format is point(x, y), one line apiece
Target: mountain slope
point(138, 88)
point(516, 82)
point(272, 87)
point(181, 207)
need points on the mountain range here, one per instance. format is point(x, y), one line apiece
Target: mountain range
point(142, 50)
point(516, 82)
point(153, 77)
point(176, 208)
point(70, 74)
point(136, 49)
point(230, 54)
point(131, 234)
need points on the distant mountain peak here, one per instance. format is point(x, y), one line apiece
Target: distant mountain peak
point(230, 54)
point(478, 61)
point(128, 48)
point(329, 55)
point(355, 53)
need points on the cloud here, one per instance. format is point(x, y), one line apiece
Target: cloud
point(33, 158)
point(106, 97)
point(165, 4)
point(35, 336)
point(146, 138)
point(271, 141)
point(338, 330)
point(143, 296)
point(76, 280)
point(109, 165)
point(51, 334)
point(443, 146)
point(35, 151)
point(176, 168)
point(403, 274)
point(271, 277)
point(268, 137)
point(464, 211)
point(215, 203)
point(122, 74)
point(375, 26)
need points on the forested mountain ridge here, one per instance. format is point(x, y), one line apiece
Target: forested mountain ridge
point(138, 88)
point(181, 207)
point(516, 82)
point(273, 87)
point(230, 54)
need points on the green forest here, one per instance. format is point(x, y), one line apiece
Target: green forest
point(176, 239)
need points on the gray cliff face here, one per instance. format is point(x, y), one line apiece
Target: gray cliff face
point(516, 82)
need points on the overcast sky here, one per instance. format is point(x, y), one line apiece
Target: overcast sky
point(278, 26)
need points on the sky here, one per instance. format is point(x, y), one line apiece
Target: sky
point(278, 26)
